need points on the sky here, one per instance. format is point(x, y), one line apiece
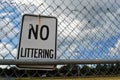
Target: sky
point(87, 29)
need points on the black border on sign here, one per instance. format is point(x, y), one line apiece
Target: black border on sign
point(21, 37)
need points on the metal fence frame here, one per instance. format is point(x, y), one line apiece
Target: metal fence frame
point(55, 62)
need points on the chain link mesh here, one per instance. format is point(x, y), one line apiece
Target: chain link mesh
point(87, 29)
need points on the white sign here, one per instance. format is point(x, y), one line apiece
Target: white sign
point(38, 39)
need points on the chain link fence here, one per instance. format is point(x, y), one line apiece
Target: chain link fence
point(87, 30)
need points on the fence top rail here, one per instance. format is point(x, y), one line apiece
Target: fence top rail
point(53, 62)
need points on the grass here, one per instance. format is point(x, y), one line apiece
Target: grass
point(72, 78)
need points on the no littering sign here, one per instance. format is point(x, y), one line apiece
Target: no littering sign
point(38, 39)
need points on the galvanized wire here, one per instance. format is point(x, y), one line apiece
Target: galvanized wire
point(87, 30)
